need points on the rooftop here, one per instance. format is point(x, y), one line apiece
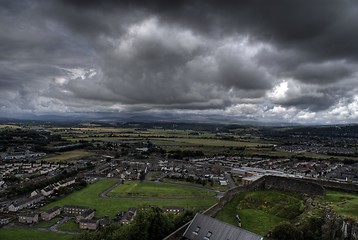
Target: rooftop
point(208, 228)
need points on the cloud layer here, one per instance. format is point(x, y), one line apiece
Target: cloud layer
point(282, 61)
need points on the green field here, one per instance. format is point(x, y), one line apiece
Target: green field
point(47, 224)
point(70, 226)
point(89, 197)
point(261, 211)
point(28, 234)
point(345, 204)
point(157, 190)
point(9, 126)
point(216, 185)
point(208, 142)
point(68, 156)
point(259, 221)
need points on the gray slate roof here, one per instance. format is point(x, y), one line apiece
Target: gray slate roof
point(219, 230)
point(86, 213)
point(53, 209)
point(27, 200)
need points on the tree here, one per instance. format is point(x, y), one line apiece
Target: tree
point(142, 176)
point(286, 231)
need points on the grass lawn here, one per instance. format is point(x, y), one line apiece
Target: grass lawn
point(259, 221)
point(213, 142)
point(157, 190)
point(216, 185)
point(29, 234)
point(70, 226)
point(89, 197)
point(345, 204)
point(47, 224)
point(229, 211)
point(258, 210)
point(68, 156)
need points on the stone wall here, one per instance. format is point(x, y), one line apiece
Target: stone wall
point(338, 186)
point(311, 187)
point(293, 185)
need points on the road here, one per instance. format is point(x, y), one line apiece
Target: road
point(231, 181)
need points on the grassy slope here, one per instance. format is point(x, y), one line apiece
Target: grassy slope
point(281, 204)
point(345, 204)
point(157, 190)
point(90, 197)
point(258, 210)
point(28, 234)
point(259, 221)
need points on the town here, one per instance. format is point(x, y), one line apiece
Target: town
point(36, 178)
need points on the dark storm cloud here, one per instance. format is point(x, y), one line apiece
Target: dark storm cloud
point(326, 72)
point(324, 26)
point(199, 55)
point(311, 103)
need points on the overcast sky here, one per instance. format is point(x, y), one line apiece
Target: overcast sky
point(276, 60)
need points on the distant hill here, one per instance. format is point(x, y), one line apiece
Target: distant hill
point(143, 117)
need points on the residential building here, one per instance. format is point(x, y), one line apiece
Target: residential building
point(207, 228)
point(47, 191)
point(251, 179)
point(104, 221)
point(88, 214)
point(28, 218)
point(74, 210)
point(4, 221)
point(90, 224)
point(172, 209)
point(25, 202)
point(35, 192)
point(51, 213)
point(128, 216)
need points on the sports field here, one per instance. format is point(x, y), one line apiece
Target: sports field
point(90, 197)
point(68, 156)
point(158, 190)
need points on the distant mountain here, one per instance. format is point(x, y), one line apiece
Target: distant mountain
point(143, 117)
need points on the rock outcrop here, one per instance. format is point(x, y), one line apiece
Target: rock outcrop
point(339, 228)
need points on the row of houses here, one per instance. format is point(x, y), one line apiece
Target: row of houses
point(30, 217)
point(38, 195)
point(21, 155)
point(25, 202)
point(85, 216)
point(48, 190)
point(28, 172)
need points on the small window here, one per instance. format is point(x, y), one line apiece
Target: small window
point(197, 230)
point(208, 235)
